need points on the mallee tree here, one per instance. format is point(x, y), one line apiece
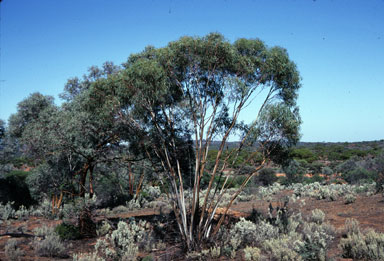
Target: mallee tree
point(196, 88)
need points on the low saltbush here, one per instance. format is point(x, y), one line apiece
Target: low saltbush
point(359, 245)
point(12, 252)
point(50, 246)
point(350, 198)
point(251, 254)
point(121, 244)
point(317, 216)
point(7, 211)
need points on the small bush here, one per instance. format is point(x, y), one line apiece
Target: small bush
point(22, 213)
point(368, 246)
point(87, 257)
point(51, 246)
point(7, 211)
point(317, 216)
point(14, 188)
point(44, 209)
point(350, 198)
point(67, 231)
point(284, 248)
point(12, 252)
point(120, 209)
point(103, 229)
point(43, 231)
point(351, 226)
point(124, 242)
point(251, 254)
point(215, 252)
point(316, 238)
point(267, 176)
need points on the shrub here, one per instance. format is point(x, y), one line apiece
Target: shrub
point(243, 232)
point(327, 171)
point(103, 229)
point(124, 242)
point(317, 216)
point(368, 246)
point(44, 209)
point(215, 252)
point(120, 209)
point(12, 252)
point(7, 211)
point(22, 213)
point(317, 238)
point(87, 257)
point(51, 246)
point(151, 193)
point(14, 188)
point(284, 248)
point(294, 172)
point(350, 198)
point(67, 231)
point(246, 233)
point(264, 231)
point(352, 226)
point(251, 254)
point(359, 175)
point(43, 231)
point(267, 176)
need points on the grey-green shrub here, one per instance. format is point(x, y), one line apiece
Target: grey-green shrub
point(352, 226)
point(22, 213)
point(103, 229)
point(7, 211)
point(43, 231)
point(124, 242)
point(50, 246)
point(284, 248)
point(87, 257)
point(317, 216)
point(251, 254)
point(44, 209)
point(359, 245)
point(245, 232)
point(350, 198)
point(12, 252)
point(317, 238)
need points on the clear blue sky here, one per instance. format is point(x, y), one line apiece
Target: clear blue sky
point(338, 46)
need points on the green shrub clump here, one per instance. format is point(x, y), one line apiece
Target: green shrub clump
point(67, 231)
point(267, 176)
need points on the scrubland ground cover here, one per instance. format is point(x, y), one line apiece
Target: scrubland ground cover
point(278, 222)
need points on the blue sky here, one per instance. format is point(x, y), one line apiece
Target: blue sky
point(338, 46)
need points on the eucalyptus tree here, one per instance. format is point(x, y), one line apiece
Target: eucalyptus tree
point(76, 86)
point(69, 141)
point(78, 135)
point(28, 111)
point(196, 89)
